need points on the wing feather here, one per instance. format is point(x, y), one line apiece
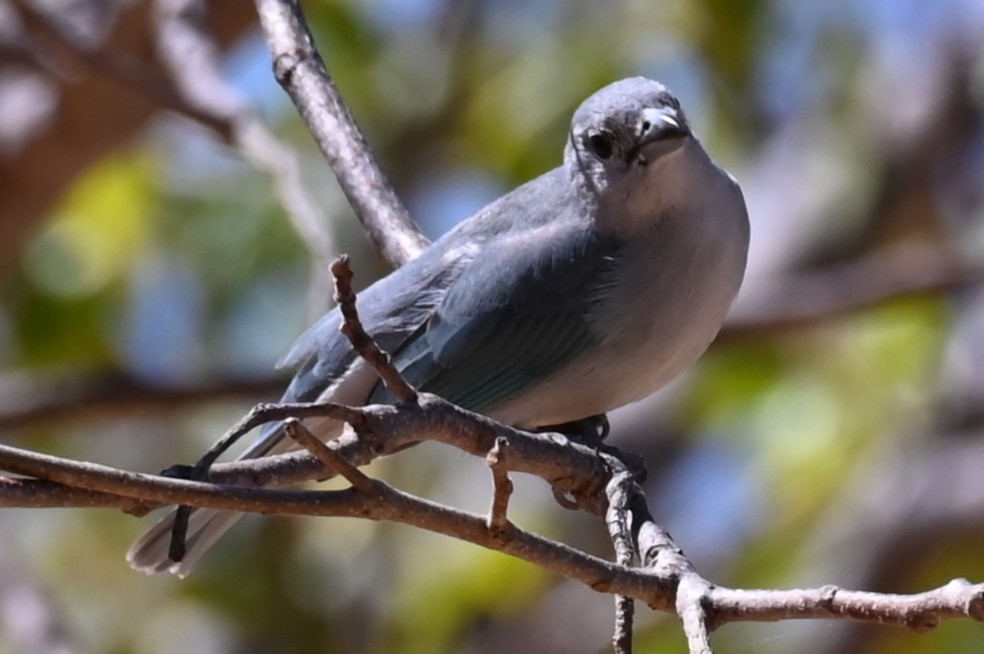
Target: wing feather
point(511, 318)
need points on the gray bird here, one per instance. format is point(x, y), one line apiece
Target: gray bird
point(586, 289)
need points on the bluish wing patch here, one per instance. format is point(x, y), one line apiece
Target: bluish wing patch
point(509, 321)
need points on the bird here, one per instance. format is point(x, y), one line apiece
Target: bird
point(580, 291)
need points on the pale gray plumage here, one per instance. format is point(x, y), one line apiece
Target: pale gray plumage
point(581, 291)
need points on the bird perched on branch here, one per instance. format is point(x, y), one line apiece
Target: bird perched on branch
point(586, 289)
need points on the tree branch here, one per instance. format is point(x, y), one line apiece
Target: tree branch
point(390, 504)
point(667, 580)
point(329, 457)
point(361, 341)
point(658, 585)
point(569, 466)
point(301, 71)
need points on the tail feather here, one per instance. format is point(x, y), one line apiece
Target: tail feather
point(206, 526)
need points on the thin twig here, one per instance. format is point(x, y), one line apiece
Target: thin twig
point(363, 342)
point(264, 413)
point(296, 430)
point(260, 414)
point(624, 619)
point(301, 71)
point(502, 487)
point(386, 429)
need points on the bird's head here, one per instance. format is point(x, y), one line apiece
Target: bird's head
point(625, 133)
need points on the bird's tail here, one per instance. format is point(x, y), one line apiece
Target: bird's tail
point(205, 526)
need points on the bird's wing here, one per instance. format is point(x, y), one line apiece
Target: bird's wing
point(517, 312)
point(395, 308)
point(391, 310)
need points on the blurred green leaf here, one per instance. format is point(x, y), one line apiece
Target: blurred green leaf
point(100, 227)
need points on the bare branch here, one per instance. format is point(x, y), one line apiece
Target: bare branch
point(297, 431)
point(624, 619)
point(693, 594)
point(42, 494)
point(629, 513)
point(657, 585)
point(361, 341)
point(301, 71)
point(383, 430)
point(498, 519)
point(658, 551)
point(261, 414)
point(918, 611)
point(264, 413)
point(388, 504)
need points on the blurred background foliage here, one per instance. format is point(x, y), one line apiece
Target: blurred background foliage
point(844, 448)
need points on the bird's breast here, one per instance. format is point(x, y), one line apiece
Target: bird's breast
point(668, 295)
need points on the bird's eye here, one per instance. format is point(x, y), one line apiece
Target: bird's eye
point(601, 145)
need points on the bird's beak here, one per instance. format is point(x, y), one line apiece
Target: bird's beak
point(659, 124)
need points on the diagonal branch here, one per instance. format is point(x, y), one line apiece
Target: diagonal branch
point(301, 71)
point(659, 552)
point(361, 341)
point(296, 430)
